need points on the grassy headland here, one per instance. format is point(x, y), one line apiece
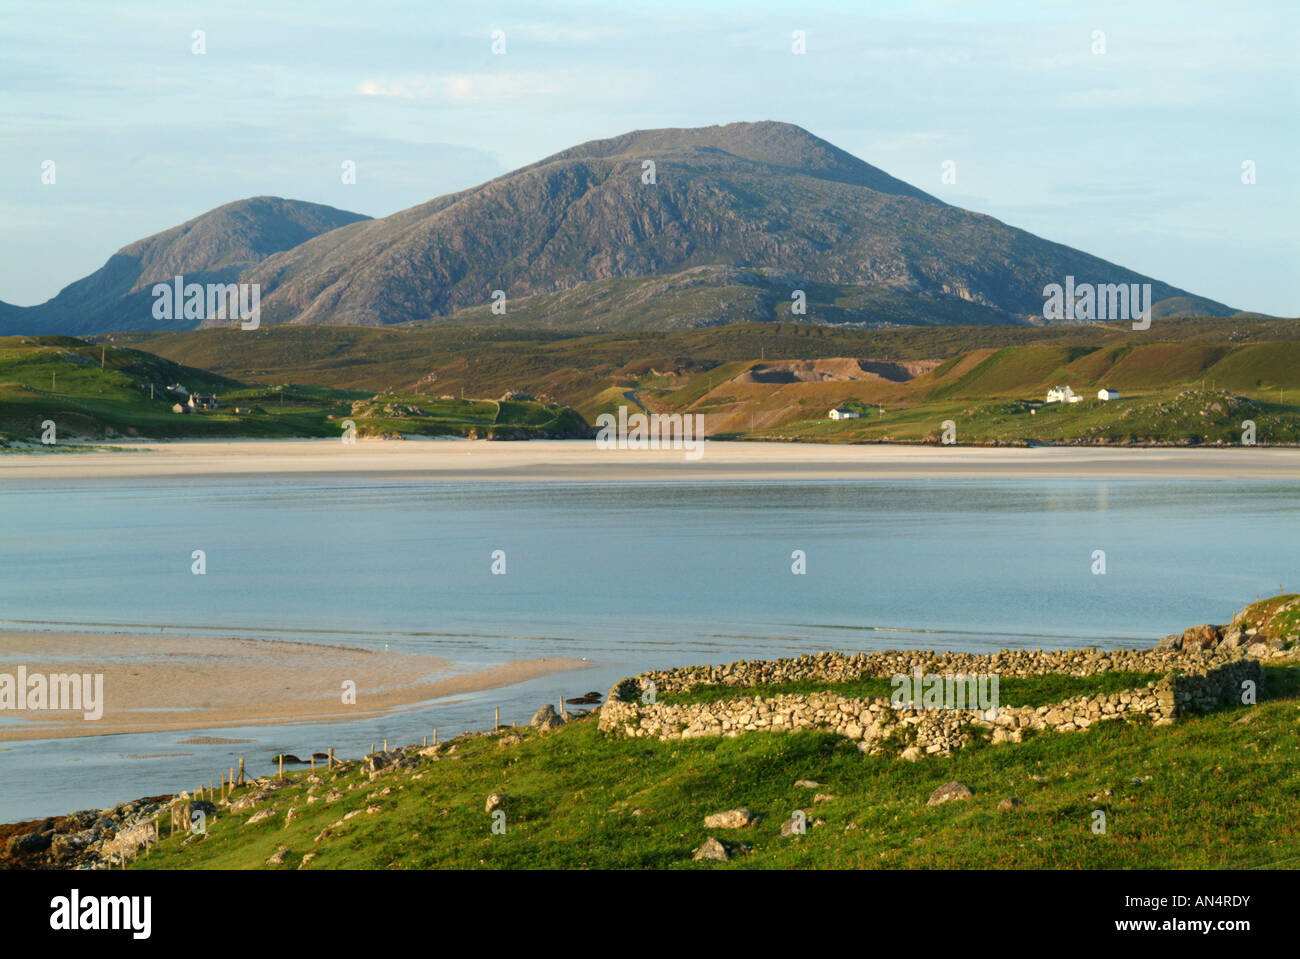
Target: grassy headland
point(1217, 789)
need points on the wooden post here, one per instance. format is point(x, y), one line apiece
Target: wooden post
point(435, 735)
point(426, 740)
point(372, 749)
point(331, 759)
point(496, 720)
point(232, 779)
point(385, 745)
point(281, 765)
point(313, 762)
point(241, 770)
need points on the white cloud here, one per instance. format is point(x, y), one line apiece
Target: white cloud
point(461, 87)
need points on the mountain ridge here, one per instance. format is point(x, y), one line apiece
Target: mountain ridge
point(763, 204)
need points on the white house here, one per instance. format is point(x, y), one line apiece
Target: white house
point(1062, 394)
point(843, 414)
point(1105, 394)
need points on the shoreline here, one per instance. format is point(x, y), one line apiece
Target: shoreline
point(176, 683)
point(579, 461)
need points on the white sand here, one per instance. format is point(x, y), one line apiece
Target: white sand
point(163, 683)
point(581, 461)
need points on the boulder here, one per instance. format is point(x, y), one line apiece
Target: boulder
point(949, 792)
point(712, 850)
point(731, 819)
point(29, 843)
point(494, 801)
point(1204, 636)
point(1011, 802)
point(546, 718)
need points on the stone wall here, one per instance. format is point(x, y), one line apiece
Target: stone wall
point(845, 667)
point(1200, 683)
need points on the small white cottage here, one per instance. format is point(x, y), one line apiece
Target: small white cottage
point(1062, 394)
point(842, 414)
point(1105, 394)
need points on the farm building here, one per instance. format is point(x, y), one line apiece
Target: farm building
point(843, 414)
point(1105, 394)
point(1062, 394)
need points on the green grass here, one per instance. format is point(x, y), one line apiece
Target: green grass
point(989, 376)
point(61, 379)
point(1215, 791)
point(1027, 691)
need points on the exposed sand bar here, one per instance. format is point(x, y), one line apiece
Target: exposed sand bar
point(581, 461)
point(165, 683)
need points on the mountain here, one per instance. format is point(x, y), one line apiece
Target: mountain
point(212, 248)
point(769, 199)
point(737, 218)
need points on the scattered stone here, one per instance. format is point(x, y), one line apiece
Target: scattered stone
point(306, 859)
point(949, 792)
point(495, 800)
point(712, 850)
point(807, 784)
point(260, 816)
point(823, 797)
point(277, 857)
point(249, 800)
point(731, 819)
point(546, 718)
point(1011, 802)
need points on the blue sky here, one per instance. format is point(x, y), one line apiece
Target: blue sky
point(1134, 154)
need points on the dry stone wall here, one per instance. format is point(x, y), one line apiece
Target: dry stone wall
point(1192, 683)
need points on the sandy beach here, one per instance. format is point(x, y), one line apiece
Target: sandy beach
point(166, 683)
point(581, 461)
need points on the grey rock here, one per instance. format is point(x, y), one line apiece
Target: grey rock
point(949, 792)
point(731, 819)
point(712, 850)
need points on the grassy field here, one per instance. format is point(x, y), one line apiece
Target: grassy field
point(100, 391)
point(1215, 791)
point(1185, 381)
point(1027, 691)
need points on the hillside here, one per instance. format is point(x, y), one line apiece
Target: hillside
point(212, 248)
point(991, 378)
point(97, 392)
point(737, 219)
point(767, 198)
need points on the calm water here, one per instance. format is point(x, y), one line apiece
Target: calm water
point(629, 576)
